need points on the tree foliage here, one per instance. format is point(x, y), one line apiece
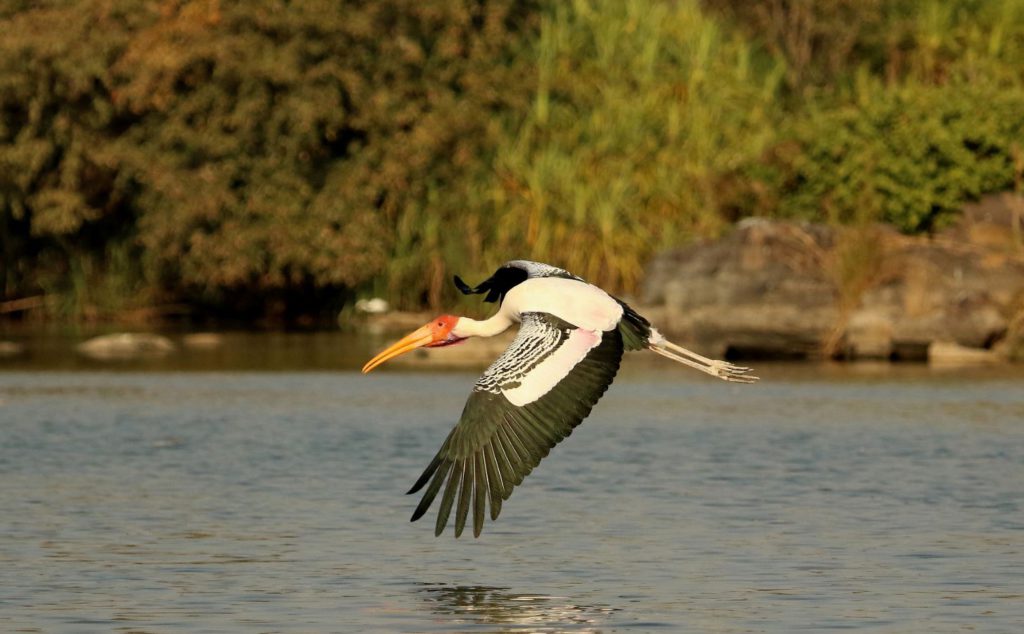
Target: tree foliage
point(249, 156)
point(910, 157)
point(923, 113)
point(244, 147)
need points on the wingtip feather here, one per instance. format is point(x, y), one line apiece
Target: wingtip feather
point(445, 510)
point(431, 492)
point(479, 494)
point(429, 471)
point(465, 494)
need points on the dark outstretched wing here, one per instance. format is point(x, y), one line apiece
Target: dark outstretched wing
point(510, 274)
point(531, 397)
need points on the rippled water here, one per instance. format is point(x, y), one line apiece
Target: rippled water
point(273, 502)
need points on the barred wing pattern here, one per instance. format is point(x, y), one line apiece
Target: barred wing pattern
point(531, 397)
point(539, 269)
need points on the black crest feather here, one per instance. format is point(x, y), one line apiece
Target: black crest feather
point(496, 285)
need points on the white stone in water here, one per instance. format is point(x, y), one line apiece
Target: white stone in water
point(126, 345)
point(374, 306)
point(10, 349)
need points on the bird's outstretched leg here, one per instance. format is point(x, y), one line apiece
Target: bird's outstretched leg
point(721, 369)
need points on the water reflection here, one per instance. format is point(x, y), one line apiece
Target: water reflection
point(512, 611)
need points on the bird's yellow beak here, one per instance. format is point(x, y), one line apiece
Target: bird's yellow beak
point(423, 336)
point(435, 333)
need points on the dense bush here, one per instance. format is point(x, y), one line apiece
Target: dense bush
point(910, 157)
point(246, 148)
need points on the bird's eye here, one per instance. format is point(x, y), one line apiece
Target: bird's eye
point(440, 324)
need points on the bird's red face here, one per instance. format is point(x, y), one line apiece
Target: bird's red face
point(435, 333)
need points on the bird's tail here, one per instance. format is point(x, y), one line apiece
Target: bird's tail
point(721, 369)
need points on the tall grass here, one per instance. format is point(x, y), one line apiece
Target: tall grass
point(110, 287)
point(638, 107)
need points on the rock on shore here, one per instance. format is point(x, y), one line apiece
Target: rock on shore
point(126, 345)
point(791, 290)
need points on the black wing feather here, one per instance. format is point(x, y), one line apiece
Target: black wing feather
point(435, 486)
point(509, 275)
point(495, 480)
point(465, 492)
point(454, 478)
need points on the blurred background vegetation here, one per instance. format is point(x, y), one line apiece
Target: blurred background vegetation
point(275, 160)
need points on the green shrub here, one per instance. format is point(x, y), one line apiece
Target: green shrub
point(910, 157)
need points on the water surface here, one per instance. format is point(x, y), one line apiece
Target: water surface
point(230, 501)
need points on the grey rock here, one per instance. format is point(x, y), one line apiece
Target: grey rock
point(784, 289)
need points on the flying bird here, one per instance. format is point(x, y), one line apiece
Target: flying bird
point(571, 339)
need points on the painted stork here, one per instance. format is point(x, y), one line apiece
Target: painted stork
point(570, 342)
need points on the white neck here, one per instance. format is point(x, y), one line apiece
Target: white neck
point(467, 327)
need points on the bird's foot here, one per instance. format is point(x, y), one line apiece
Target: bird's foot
point(721, 369)
point(729, 372)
